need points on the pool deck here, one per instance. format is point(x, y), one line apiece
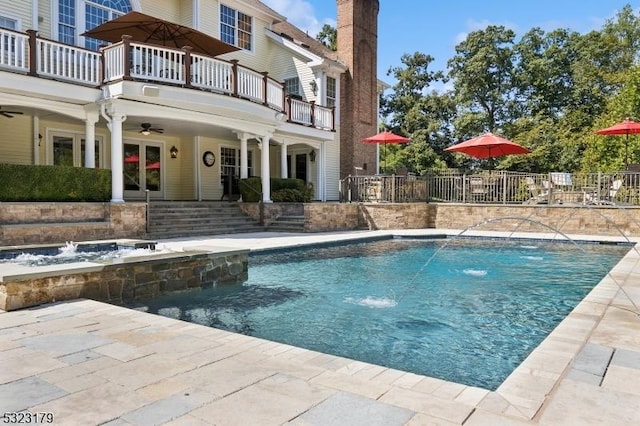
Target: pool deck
point(89, 362)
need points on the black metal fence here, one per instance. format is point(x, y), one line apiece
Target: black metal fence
point(496, 187)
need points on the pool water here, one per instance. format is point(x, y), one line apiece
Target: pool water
point(464, 311)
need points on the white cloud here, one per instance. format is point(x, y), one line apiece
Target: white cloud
point(301, 14)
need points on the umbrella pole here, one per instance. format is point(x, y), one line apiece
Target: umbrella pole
point(626, 151)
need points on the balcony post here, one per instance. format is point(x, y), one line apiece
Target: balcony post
point(313, 113)
point(265, 80)
point(187, 65)
point(33, 53)
point(333, 118)
point(234, 70)
point(101, 72)
point(284, 95)
point(288, 100)
point(126, 60)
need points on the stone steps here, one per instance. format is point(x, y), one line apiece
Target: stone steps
point(185, 219)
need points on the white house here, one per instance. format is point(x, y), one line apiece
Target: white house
point(169, 120)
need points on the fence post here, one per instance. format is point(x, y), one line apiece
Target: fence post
point(504, 187)
point(126, 60)
point(265, 87)
point(349, 188)
point(550, 200)
point(464, 188)
point(393, 188)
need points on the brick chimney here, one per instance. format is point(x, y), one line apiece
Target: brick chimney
point(358, 49)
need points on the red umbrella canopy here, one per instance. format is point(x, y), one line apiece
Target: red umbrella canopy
point(386, 137)
point(132, 159)
point(488, 146)
point(626, 127)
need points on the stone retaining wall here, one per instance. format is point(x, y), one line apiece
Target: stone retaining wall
point(39, 223)
point(125, 279)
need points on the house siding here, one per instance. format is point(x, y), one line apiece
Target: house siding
point(16, 140)
point(17, 10)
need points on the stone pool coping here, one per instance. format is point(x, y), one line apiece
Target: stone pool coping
point(92, 362)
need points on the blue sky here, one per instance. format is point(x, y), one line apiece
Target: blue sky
point(434, 27)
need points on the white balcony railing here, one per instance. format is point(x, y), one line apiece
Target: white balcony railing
point(323, 117)
point(211, 74)
point(300, 112)
point(14, 50)
point(130, 60)
point(67, 62)
point(250, 84)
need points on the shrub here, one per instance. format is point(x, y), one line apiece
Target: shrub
point(53, 183)
point(282, 190)
point(250, 189)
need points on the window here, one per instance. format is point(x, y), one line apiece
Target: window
point(8, 23)
point(92, 13)
point(331, 92)
point(235, 27)
point(69, 150)
point(8, 41)
point(230, 162)
point(292, 87)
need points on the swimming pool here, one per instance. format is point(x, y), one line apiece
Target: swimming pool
point(467, 311)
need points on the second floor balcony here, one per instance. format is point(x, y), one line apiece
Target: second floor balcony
point(36, 56)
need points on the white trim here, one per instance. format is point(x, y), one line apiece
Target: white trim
point(195, 18)
point(34, 15)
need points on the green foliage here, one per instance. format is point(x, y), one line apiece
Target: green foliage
point(53, 183)
point(250, 189)
point(549, 91)
point(282, 190)
point(328, 36)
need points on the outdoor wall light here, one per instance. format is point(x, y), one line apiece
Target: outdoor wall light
point(312, 156)
point(314, 87)
point(174, 152)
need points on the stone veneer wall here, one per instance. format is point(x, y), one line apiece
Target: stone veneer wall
point(127, 280)
point(272, 211)
point(38, 223)
point(604, 220)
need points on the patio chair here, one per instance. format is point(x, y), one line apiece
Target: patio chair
point(477, 189)
point(539, 194)
point(592, 198)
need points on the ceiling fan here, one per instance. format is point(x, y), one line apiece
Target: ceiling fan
point(10, 114)
point(147, 128)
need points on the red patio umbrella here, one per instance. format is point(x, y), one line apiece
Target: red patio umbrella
point(153, 166)
point(626, 127)
point(488, 146)
point(385, 138)
point(132, 159)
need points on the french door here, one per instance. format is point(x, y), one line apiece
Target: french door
point(143, 170)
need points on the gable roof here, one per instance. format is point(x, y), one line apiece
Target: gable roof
point(290, 31)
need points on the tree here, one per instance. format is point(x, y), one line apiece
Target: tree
point(328, 36)
point(414, 110)
point(482, 75)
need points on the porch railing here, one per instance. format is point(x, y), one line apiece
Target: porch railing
point(38, 56)
point(497, 187)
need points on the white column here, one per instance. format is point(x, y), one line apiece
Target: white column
point(90, 140)
point(284, 170)
point(266, 172)
point(117, 182)
point(244, 161)
point(320, 166)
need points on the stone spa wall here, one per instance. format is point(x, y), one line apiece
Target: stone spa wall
point(123, 280)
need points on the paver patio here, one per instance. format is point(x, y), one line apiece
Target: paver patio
point(88, 362)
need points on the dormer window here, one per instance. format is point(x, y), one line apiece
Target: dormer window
point(235, 27)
